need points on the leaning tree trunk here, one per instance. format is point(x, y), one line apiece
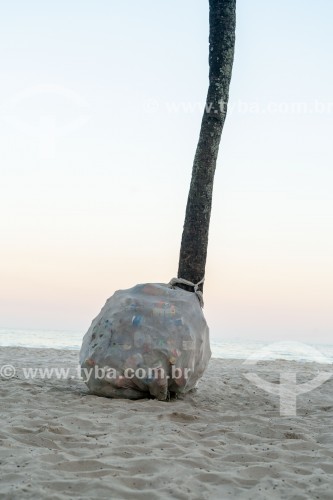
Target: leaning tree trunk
point(193, 251)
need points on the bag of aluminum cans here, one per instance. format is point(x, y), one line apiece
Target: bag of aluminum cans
point(149, 340)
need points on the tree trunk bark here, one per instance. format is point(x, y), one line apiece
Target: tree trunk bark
point(193, 251)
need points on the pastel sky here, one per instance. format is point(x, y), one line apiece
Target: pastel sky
point(100, 109)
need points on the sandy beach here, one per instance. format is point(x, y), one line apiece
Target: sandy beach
point(226, 439)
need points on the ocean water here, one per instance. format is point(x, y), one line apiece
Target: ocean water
point(55, 339)
point(224, 349)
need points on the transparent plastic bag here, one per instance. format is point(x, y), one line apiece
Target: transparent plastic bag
point(151, 339)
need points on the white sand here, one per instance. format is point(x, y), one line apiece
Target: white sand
point(224, 440)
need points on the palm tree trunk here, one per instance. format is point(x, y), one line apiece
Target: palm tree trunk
point(193, 251)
